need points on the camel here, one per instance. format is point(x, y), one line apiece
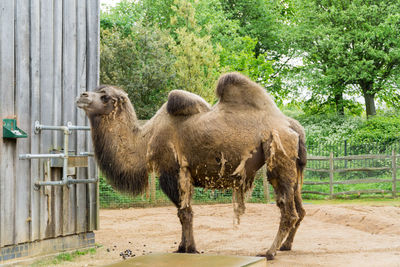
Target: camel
point(190, 144)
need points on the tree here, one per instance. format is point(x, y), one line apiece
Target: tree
point(354, 45)
point(196, 64)
point(140, 63)
point(205, 41)
point(259, 19)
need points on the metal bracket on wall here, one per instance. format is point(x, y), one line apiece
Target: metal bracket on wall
point(66, 180)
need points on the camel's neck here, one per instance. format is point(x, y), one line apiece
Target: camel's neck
point(121, 150)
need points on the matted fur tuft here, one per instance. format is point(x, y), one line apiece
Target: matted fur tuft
point(182, 103)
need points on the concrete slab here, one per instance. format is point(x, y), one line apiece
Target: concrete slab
point(191, 260)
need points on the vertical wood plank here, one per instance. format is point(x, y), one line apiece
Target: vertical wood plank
point(331, 169)
point(46, 105)
point(69, 111)
point(81, 198)
point(58, 136)
point(7, 167)
point(22, 109)
point(35, 115)
point(92, 80)
point(394, 174)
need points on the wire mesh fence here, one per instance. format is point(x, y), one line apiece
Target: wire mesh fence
point(110, 198)
point(262, 192)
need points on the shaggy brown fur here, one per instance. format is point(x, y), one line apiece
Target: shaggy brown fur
point(119, 142)
point(190, 144)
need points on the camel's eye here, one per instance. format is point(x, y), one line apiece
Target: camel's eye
point(105, 98)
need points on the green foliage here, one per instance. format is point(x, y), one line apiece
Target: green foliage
point(123, 17)
point(240, 56)
point(328, 128)
point(259, 19)
point(203, 43)
point(349, 47)
point(196, 64)
point(381, 128)
point(140, 63)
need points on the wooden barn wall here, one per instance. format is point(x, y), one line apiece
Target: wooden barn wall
point(49, 54)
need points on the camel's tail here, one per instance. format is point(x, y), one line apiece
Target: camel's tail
point(301, 161)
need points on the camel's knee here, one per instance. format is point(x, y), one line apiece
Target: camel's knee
point(185, 214)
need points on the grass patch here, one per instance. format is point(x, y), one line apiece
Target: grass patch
point(65, 256)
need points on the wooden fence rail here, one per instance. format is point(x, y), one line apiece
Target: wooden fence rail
point(331, 159)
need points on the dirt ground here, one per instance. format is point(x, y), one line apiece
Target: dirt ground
point(330, 235)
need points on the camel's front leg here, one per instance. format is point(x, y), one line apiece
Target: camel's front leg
point(185, 212)
point(187, 244)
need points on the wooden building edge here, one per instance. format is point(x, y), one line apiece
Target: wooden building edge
point(49, 54)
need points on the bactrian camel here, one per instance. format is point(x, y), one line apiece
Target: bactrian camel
point(188, 144)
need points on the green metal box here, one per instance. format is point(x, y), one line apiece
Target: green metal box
point(10, 129)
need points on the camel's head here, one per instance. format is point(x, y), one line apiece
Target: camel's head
point(104, 100)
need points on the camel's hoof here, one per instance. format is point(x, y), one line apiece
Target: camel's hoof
point(270, 256)
point(187, 250)
point(267, 255)
point(286, 247)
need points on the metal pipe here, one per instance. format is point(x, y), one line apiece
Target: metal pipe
point(39, 127)
point(69, 127)
point(77, 127)
point(41, 156)
point(42, 183)
point(62, 182)
point(89, 154)
point(82, 181)
point(65, 162)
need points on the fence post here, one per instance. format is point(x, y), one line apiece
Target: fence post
point(265, 184)
point(331, 174)
point(394, 170)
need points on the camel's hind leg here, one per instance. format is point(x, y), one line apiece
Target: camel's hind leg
point(287, 245)
point(289, 217)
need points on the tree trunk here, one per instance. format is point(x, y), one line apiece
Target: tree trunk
point(339, 103)
point(369, 97)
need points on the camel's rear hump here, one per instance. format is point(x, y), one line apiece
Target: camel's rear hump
point(235, 88)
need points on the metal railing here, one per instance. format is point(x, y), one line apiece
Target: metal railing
point(66, 180)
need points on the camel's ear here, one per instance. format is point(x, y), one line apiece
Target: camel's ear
point(122, 98)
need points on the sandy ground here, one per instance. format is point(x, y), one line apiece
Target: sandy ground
point(330, 235)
